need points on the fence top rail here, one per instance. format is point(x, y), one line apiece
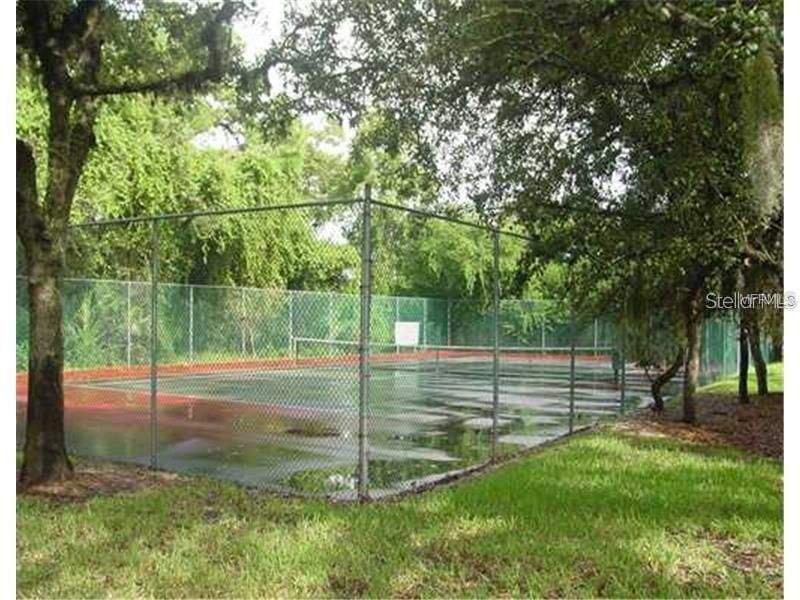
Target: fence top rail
point(217, 212)
point(432, 215)
point(290, 291)
point(297, 205)
point(144, 282)
point(504, 348)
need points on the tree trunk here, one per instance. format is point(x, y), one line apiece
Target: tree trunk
point(662, 379)
point(777, 350)
point(42, 233)
point(694, 322)
point(744, 360)
point(758, 358)
point(45, 455)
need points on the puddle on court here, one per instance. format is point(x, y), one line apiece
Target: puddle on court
point(295, 430)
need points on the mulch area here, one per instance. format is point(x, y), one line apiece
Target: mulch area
point(102, 479)
point(721, 421)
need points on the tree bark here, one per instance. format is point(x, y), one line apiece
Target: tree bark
point(45, 454)
point(662, 379)
point(758, 358)
point(744, 360)
point(694, 322)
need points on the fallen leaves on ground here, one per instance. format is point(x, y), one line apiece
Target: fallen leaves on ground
point(721, 421)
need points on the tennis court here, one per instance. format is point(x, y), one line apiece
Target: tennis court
point(293, 423)
point(362, 373)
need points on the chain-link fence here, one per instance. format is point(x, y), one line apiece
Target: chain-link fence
point(346, 348)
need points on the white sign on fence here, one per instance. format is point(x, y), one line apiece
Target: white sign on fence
point(406, 333)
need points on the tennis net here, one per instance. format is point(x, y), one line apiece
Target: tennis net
point(451, 359)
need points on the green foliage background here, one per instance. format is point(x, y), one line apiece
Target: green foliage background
point(150, 159)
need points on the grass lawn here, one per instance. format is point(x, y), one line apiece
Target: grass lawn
point(606, 513)
point(730, 385)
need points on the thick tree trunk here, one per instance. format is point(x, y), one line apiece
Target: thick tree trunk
point(744, 360)
point(42, 228)
point(694, 322)
point(42, 236)
point(758, 358)
point(662, 379)
point(45, 455)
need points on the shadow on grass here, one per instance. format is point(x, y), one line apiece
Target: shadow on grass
point(608, 515)
point(604, 514)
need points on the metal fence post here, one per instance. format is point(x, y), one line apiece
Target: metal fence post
point(424, 321)
point(724, 347)
point(496, 342)
point(243, 323)
point(622, 358)
point(571, 366)
point(128, 321)
point(449, 325)
point(154, 265)
point(191, 323)
point(738, 349)
point(291, 324)
point(330, 315)
point(594, 341)
point(544, 325)
point(363, 346)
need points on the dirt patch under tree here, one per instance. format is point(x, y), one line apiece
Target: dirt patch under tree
point(755, 427)
point(100, 479)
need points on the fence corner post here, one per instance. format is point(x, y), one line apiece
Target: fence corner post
point(363, 346)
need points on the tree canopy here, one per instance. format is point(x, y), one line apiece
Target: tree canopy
point(639, 141)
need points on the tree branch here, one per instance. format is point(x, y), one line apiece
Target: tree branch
point(189, 81)
point(215, 36)
point(568, 67)
point(28, 211)
point(81, 142)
